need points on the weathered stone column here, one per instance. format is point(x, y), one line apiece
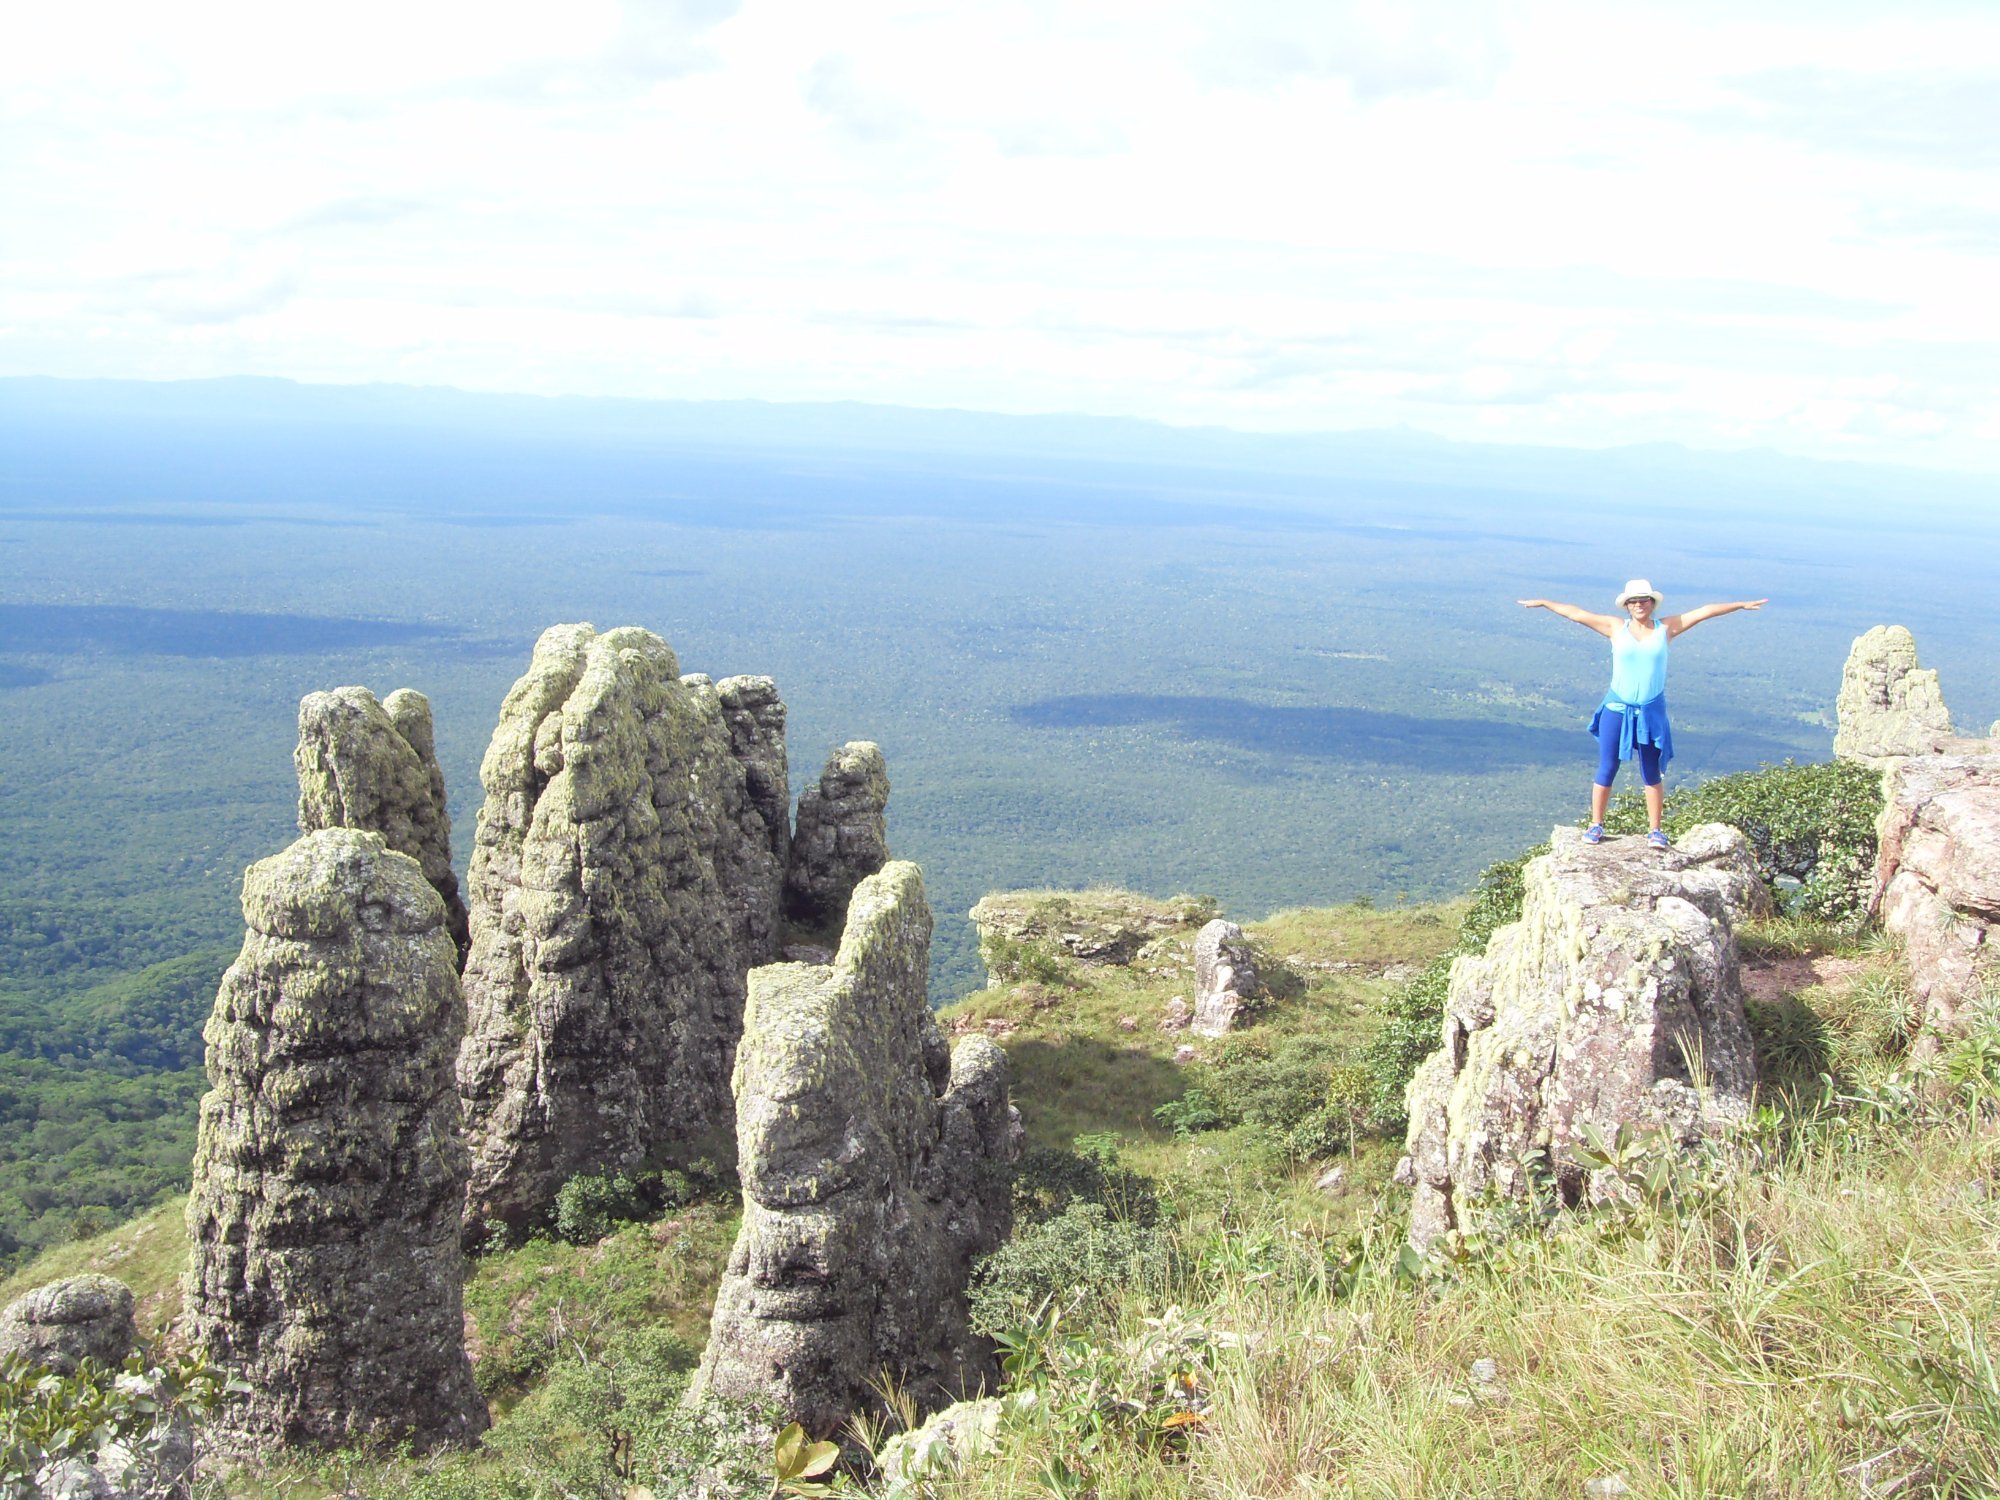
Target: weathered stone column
point(841, 836)
point(615, 884)
point(324, 1262)
point(876, 1167)
point(1888, 706)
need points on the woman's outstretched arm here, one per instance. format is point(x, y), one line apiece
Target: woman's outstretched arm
point(1602, 624)
point(1687, 621)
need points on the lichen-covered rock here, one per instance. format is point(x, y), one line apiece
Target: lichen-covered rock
point(876, 1168)
point(324, 1262)
point(1888, 706)
point(755, 860)
point(621, 879)
point(1225, 977)
point(364, 764)
point(63, 1323)
point(1937, 879)
point(841, 836)
point(1098, 928)
point(1614, 1000)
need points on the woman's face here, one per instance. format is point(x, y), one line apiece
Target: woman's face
point(1641, 608)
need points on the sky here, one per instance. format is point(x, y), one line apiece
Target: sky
point(1721, 224)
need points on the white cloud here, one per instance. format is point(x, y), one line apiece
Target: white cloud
point(1549, 220)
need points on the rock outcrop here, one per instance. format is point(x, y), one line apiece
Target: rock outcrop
point(364, 764)
point(1614, 1000)
point(1225, 977)
point(876, 1168)
point(1888, 705)
point(1937, 880)
point(61, 1324)
point(329, 1173)
point(840, 838)
point(1100, 928)
point(623, 877)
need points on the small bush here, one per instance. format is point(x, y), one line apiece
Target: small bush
point(1085, 1255)
point(1190, 1114)
point(591, 1205)
point(132, 1422)
point(1811, 827)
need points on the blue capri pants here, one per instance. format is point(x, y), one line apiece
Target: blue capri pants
point(1608, 727)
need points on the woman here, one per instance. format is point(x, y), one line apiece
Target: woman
point(1633, 716)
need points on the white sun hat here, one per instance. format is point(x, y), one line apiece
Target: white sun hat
point(1638, 588)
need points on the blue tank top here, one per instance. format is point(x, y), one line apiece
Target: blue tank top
point(1638, 668)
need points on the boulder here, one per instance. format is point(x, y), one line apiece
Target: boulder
point(1937, 880)
point(840, 838)
point(623, 876)
point(59, 1325)
point(1225, 977)
point(876, 1169)
point(364, 764)
point(323, 1224)
point(1614, 1000)
point(1888, 706)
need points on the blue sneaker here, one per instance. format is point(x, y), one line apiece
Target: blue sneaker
point(1656, 840)
point(1594, 834)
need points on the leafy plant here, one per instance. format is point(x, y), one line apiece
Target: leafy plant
point(134, 1422)
point(797, 1462)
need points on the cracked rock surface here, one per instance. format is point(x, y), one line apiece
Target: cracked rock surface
point(1937, 880)
point(876, 1168)
point(623, 878)
point(1615, 999)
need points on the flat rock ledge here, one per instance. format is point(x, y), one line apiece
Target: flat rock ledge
point(876, 1165)
point(1096, 928)
point(1614, 999)
point(324, 1263)
point(1937, 881)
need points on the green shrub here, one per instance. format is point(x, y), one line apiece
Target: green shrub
point(1811, 827)
point(1085, 1255)
point(1190, 1114)
point(591, 1205)
point(46, 1418)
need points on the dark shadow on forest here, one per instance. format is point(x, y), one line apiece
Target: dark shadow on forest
point(1462, 746)
point(120, 630)
point(12, 676)
point(1333, 734)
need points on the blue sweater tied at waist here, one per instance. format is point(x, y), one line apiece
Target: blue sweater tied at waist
point(1643, 724)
